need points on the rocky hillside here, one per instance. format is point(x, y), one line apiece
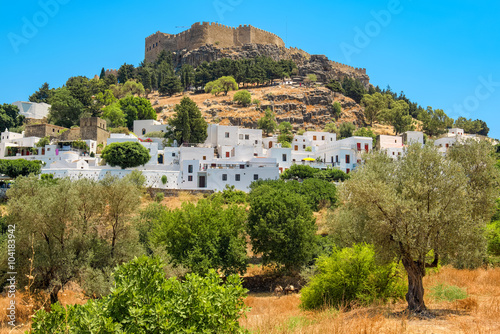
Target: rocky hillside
point(320, 65)
point(305, 108)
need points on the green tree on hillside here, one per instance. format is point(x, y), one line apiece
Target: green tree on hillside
point(10, 117)
point(187, 125)
point(43, 94)
point(114, 115)
point(398, 116)
point(434, 121)
point(243, 97)
point(286, 135)
point(223, 84)
point(346, 129)
point(65, 110)
point(268, 122)
point(374, 104)
point(187, 76)
point(126, 72)
point(170, 85)
point(136, 108)
point(337, 109)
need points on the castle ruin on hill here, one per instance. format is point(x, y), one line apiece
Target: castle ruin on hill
point(208, 33)
point(213, 41)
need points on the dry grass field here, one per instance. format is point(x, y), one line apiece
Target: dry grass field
point(479, 313)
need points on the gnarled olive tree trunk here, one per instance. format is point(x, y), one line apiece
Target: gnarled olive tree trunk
point(415, 294)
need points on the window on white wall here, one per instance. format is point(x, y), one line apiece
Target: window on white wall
point(226, 135)
point(255, 177)
point(224, 177)
point(237, 177)
point(190, 168)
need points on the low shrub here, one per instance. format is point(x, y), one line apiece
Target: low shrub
point(159, 197)
point(440, 292)
point(144, 301)
point(352, 275)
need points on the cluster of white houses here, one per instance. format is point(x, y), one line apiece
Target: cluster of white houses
point(231, 155)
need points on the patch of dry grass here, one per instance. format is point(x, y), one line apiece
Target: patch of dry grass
point(479, 313)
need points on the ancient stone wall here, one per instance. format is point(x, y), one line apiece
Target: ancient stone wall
point(94, 128)
point(208, 33)
point(43, 130)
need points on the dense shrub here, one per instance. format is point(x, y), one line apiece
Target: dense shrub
point(305, 172)
point(144, 301)
point(126, 154)
point(352, 275)
point(316, 193)
point(281, 226)
point(203, 236)
point(243, 97)
point(230, 195)
point(493, 237)
point(15, 168)
point(299, 171)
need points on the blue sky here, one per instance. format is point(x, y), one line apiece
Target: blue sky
point(442, 54)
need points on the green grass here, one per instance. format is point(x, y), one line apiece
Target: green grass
point(440, 292)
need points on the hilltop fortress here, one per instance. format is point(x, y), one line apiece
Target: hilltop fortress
point(213, 41)
point(201, 34)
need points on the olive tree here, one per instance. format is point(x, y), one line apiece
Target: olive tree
point(421, 208)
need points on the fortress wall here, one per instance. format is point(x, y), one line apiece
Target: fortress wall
point(259, 36)
point(207, 33)
point(221, 35)
point(244, 34)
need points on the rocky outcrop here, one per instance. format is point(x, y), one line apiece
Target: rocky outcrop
point(324, 69)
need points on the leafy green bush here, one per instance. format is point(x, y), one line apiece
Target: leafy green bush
point(203, 236)
point(159, 197)
point(230, 195)
point(352, 275)
point(493, 238)
point(17, 167)
point(164, 179)
point(331, 174)
point(447, 292)
point(144, 301)
point(126, 154)
point(243, 97)
point(316, 193)
point(299, 171)
point(155, 134)
point(281, 226)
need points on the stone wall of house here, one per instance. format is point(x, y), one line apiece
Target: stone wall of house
point(94, 128)
point(43, 130)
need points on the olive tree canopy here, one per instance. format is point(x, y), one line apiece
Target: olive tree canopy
point(420, 205)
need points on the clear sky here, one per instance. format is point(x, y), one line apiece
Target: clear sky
point(443, 54)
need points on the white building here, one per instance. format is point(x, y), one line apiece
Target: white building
point(143, 127)
point(450, 138)
point(33, 110)
point(395, 146)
